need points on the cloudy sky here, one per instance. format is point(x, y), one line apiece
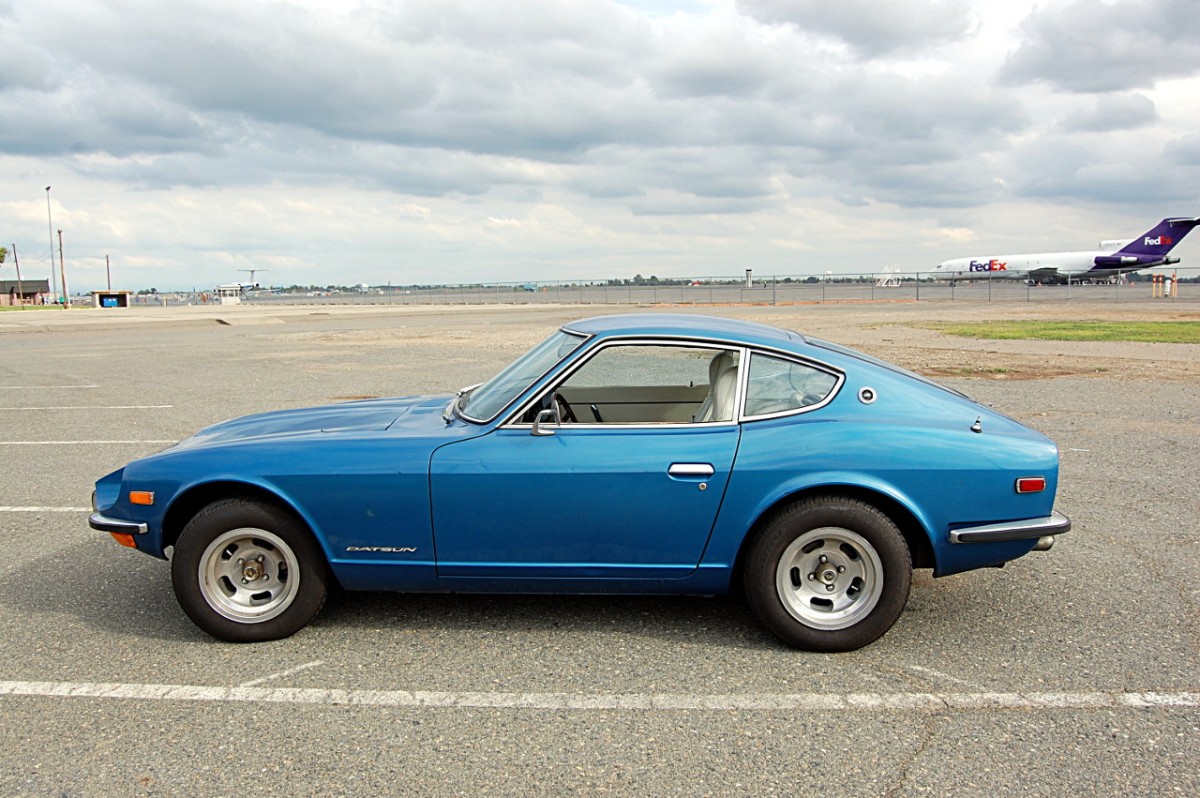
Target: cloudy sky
point(418, 141)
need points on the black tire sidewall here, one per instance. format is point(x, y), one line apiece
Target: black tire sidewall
point(781, 531)
point(220, 517)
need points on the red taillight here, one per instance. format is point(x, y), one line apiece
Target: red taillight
point(1031, 484)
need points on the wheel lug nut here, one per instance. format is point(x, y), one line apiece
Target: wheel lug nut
point(841, 569)
point(829, 588)
point(812, 576)
point(823, 558)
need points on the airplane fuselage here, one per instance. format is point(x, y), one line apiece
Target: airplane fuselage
point(1020, 267)
point(1115, 257)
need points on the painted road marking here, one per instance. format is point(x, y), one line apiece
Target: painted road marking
point(93, 407)
point(12, 509)
point(306, 666)
point(43, 387)
point(796, 702)
point(79, 443)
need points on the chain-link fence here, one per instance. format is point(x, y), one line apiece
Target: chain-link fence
point(1178, 285)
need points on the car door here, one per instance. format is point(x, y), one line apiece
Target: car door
point(629, 499)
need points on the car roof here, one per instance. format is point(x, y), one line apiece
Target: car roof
point(688, 325)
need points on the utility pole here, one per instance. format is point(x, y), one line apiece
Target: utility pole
point(63, 271)
point(108, 272)
point(50, 225)
point(20, 287)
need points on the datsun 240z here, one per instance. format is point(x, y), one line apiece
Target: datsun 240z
point(644, 453)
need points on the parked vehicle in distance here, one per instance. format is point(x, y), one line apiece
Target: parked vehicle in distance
point(645, 453)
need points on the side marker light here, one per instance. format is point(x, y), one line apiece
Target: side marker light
point(124, 539)
point(145, 497)
point(1031, 484)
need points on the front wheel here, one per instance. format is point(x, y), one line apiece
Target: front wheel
point(828, 574)
point(245, 572)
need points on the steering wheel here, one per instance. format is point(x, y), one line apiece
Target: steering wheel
point(565, 413)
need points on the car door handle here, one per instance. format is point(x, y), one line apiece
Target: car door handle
point(691, 470)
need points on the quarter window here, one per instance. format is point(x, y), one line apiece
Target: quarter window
point(779, 386)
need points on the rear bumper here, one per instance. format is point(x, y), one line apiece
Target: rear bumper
point(1054, 524)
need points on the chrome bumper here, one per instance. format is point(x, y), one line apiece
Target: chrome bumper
point(104, 524)
point(1054, 524)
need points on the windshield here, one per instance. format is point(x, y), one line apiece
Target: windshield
point(486, 401)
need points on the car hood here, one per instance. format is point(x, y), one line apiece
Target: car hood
point(373, 415)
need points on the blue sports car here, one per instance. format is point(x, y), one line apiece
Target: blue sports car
point(650, 453)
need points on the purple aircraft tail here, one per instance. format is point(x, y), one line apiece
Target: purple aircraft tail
point(1158, 240)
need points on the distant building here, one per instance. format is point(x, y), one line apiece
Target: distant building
point(111, 299)
point(24, 292)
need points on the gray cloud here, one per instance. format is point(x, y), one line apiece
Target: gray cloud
point(1113, 112)
point(612, 118)
point(251, 92)
point(1116, 168)
point(1098, 46)
point(872, 28)
point(1184, 151)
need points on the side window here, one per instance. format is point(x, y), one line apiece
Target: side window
point(777, 385)
point(654, 384)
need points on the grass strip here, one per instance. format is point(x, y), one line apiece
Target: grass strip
point(1161, 332)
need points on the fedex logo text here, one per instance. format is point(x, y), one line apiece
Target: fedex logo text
point(988, 266)
point(1157, 241)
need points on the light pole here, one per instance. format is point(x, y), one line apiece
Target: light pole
point(50, 223)
point(63, 269)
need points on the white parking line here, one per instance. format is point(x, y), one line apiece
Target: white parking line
point(281, 674)
point(78, 443)
point(13, 509)
point(944, 677)
point(796, 702)
point(43, 387)
point(93, 407)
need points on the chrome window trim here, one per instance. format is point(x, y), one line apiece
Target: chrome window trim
point(803, 361)
point(483, 422)
point(661, 340)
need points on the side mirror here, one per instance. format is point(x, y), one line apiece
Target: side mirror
point(549, 416)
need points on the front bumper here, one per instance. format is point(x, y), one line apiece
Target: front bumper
point(1054, 524)
point(103, 523)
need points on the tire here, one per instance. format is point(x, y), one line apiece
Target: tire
point(245, 572)
point(828, 574)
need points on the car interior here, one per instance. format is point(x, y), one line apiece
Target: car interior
point(667, 384)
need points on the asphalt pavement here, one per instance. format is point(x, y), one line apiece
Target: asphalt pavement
point(1070, 672)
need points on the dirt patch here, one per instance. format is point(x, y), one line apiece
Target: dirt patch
point(897, 335)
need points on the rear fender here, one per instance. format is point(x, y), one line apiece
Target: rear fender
point(737, 525)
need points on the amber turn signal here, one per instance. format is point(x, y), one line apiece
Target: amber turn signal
point(141, 497)
point(124, 539)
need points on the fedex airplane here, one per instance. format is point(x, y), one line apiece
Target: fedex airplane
point(1114, 257)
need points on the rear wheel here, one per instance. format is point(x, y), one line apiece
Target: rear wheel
point(828, 574)
point(245, 571)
